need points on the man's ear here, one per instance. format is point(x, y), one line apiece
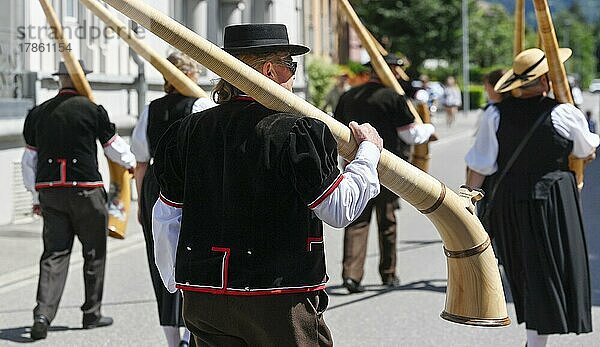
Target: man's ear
point(269, 70)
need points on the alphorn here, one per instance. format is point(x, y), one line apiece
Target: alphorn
point(519, 44)
point(73, 68)
point(474, 294)
point(378, 45)
point(420, 157)
point(119, 192)
point(557, 72)
point(178, 79)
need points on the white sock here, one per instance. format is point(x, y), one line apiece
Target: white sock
point(172, 335)
point(536, 340)
point(186, 335)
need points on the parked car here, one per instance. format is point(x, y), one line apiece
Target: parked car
point(595, 86)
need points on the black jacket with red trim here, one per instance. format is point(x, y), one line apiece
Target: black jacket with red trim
point(63, 131)
point(245, 177)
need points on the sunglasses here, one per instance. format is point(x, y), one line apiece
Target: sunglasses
point(291, 65)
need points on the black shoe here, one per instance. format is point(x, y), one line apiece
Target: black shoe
point(352, 286)
point(183, 343)
point(391, 281)
point(39, 330)
point(100, 322)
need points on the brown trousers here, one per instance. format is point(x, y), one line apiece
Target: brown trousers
point(268, 320)
point(356, 236)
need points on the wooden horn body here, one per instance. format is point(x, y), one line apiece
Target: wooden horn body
point(75, 71)
point(557, 72)
point(475, 294)
point(519, 44)
point(178, 79)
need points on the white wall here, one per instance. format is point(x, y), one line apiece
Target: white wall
point(7, 157)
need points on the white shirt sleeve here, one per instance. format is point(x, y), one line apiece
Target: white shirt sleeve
point(202, 104)
point(118, 151)
point(139, 138)
point(482, 156)
point(359, 184)
point(571, 124)
point(166, 224)
point(422, 96)
point(416, 134)
point(28, 171)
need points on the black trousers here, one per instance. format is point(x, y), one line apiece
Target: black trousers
point(267, 320)
point(68, 212)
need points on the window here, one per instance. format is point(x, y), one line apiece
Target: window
point(69, 8)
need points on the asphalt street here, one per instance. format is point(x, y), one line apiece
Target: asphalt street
point(404, 316)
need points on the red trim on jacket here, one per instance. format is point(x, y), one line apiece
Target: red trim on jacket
point(244, 98)
point(68, 184)
point(169, 202)
point(63, 169)
point(68, 91)
point(31, 148)
point(242, 292)
point(110, 141)
point(63, 183)
point(327, 192)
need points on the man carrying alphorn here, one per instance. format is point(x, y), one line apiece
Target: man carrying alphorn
point(244, 191)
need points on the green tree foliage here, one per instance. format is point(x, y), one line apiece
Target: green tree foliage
point(321, 78)
point(491, 36)
point(573, 32)
point(420, 29)
point(433, 29)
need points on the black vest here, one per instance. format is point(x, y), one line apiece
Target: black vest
point(64, 130)
point(545, 151)
point(246, 228)
point(383, 108)
point(163, 112)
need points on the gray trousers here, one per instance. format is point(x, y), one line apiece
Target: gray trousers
point(68, 212)
point(266, 321)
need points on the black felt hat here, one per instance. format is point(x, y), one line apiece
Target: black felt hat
point(62, 69)
point(390, 59)
point(259, 38)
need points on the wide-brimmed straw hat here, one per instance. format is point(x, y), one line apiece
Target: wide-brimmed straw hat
point(259, 38)
point(62, 68)
point(527, 66)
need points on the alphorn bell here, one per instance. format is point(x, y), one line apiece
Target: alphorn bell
point(557, 72)
point(475, 294)
point(178, 79)
point(420, 156)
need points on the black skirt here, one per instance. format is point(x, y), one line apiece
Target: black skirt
point(169, 305)
point(539, 238)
